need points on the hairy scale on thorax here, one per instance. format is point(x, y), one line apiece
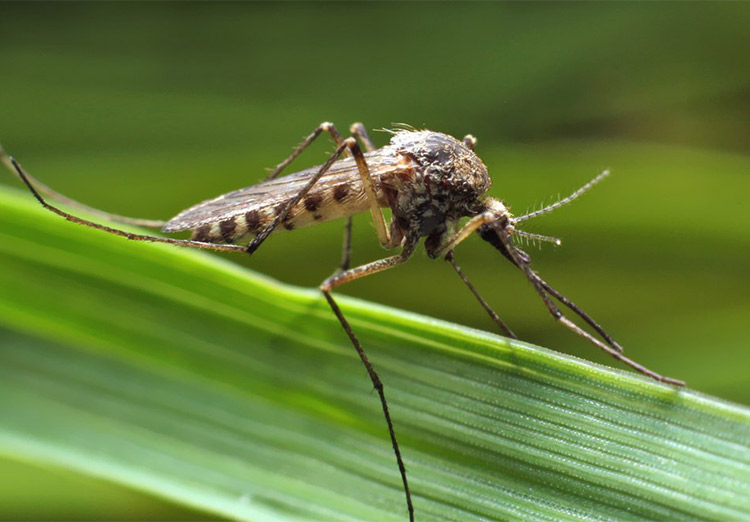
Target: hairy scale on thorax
point(444, 182)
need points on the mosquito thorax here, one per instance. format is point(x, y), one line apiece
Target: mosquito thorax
point(445, 182)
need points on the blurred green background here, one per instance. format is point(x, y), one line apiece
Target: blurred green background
point(145, 109)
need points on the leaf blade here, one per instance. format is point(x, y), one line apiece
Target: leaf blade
point(169, 364)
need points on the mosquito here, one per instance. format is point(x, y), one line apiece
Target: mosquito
point(429, 180)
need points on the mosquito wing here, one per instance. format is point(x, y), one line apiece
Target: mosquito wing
point(338, 193)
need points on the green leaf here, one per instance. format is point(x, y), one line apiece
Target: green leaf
point(178, 373)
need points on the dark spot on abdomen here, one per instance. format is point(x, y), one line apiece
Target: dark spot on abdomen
point(202, 233)
point(252, 220)
point(227, 229)
point(340, 193)
point(312, 202)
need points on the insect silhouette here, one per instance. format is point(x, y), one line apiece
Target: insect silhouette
point(430, 181)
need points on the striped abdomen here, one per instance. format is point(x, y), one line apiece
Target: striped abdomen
point(320, 205)
point(234, 216)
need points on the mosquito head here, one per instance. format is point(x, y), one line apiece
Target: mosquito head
point(506, 224)
point(503, 219)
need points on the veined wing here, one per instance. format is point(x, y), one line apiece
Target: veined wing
point(339, 192)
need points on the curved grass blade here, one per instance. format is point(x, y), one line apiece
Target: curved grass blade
point(180, 374)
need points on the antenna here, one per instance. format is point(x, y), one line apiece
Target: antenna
point(538, 237)
point(563, 201)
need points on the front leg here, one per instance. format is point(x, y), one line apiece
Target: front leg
point(487, 308)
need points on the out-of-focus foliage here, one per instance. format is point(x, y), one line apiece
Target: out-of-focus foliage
point(146, 109)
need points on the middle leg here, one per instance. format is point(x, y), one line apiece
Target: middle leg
point(346, 277)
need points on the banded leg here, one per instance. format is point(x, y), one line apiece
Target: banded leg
point(346, 277)
point(44, 189)
point(135, 237)
point(539, 285)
